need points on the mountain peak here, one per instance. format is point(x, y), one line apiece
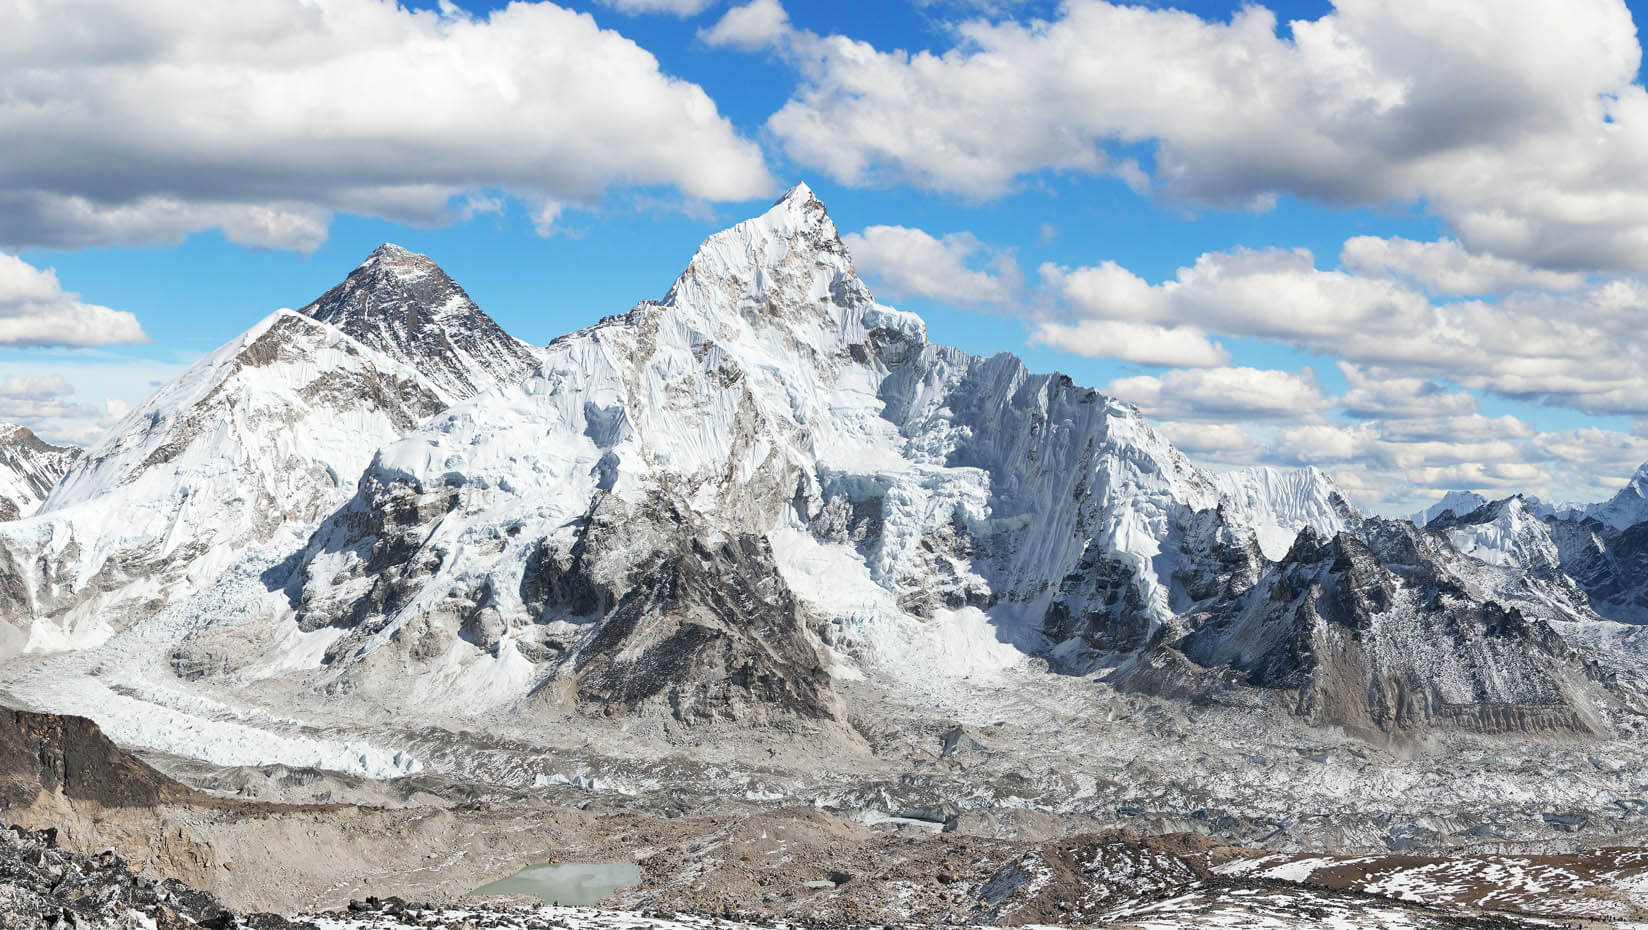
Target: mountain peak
point(402, 304)
point(399, 262)
point(800, 194)
point(788, 268)
point(391, 250)
point(29, 468)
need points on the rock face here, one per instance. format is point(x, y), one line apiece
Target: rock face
point(70, 756)
point(1610, 565)
point(29, 469)
point(1394, 629)
point(403, 305)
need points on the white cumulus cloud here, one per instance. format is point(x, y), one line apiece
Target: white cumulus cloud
point(36, 311)
point(145, 121)
point(904, 262)
point(1520, 122)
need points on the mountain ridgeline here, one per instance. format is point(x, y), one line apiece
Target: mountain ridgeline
point(717, 507)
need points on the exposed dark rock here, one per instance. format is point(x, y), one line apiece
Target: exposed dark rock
point(71, 756)
point(405, 306)
point(29, 468)
point(1389, 631)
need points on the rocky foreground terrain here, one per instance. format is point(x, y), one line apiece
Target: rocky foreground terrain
point(785, 868)
point(1099, 882)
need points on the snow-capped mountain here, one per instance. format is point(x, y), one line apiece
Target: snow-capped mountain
point(716, 507)
point(1627, 508)
point(403, 305)
point(1573, 555)
point(266, 433)
point(1458, 502)
point(769, 427)
point(29, 468)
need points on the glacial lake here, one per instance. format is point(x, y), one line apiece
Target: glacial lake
point(572, 884)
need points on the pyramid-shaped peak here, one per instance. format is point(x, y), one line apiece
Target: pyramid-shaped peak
point(792, 245)
point(798, 219)
point(397, 260)
point(402, 304)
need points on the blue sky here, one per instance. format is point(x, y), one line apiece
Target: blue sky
point(1024, 174)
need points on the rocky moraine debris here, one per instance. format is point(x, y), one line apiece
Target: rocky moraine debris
point(43, 885)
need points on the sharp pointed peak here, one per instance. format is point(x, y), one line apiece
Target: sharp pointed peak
point(796, 213)
point(800, 193)
point(395, 258)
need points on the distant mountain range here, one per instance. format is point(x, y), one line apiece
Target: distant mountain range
point(697, 509)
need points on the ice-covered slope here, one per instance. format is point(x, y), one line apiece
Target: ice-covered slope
point(403, 305)
point(266, 433)
point(1279, 503)
point(29, 469)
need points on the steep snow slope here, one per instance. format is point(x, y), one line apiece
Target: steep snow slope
point(29, 469)
point(403, 305)
point(263, 434)
point(1279, 503)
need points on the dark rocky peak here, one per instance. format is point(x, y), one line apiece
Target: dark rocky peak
point(13, 435)
point(1388, 629)
point(402, 304)
point(29, 468)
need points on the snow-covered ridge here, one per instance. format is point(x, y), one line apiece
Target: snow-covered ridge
point(1460, 502)
point(1627, 508)
point(262, 435)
